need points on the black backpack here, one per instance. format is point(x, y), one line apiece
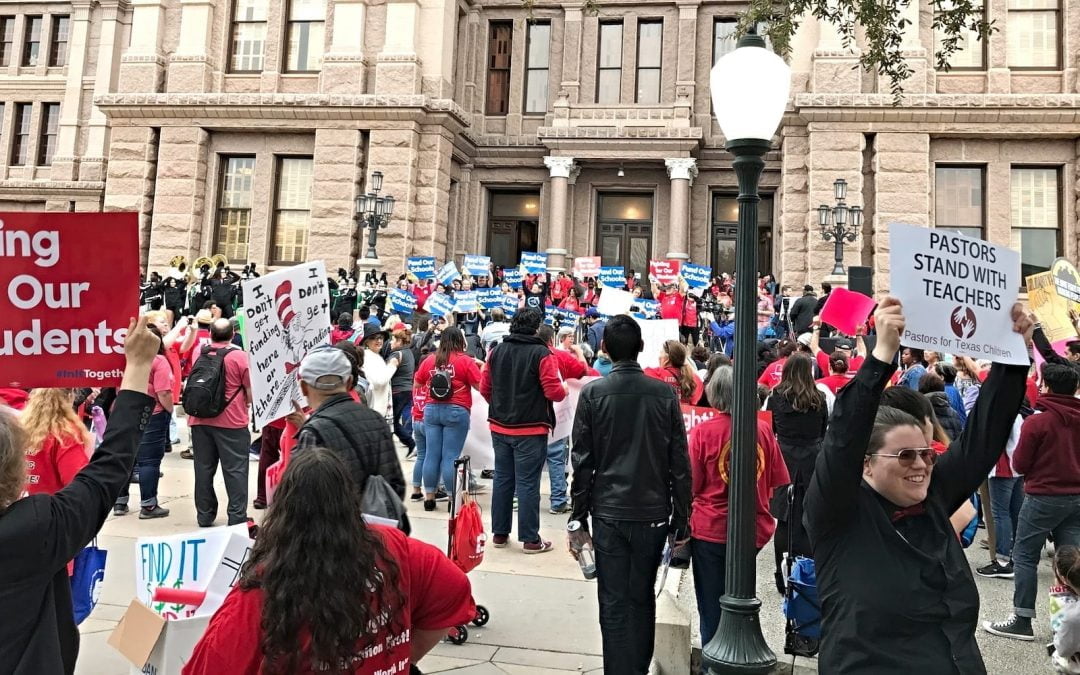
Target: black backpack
point(441, 385)
point(204, 393)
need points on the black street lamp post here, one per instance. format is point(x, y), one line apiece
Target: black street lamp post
point(373, 211)
point(750, 92)
point(835, 226)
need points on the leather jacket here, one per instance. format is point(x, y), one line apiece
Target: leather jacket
point(630, 451)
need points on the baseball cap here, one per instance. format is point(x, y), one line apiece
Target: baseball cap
point(204, 316)
point(325, 368)
point(843, 344)
point(805, 338)
point(591, 313)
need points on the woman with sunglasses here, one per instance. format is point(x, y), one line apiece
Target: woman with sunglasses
point(896, 589)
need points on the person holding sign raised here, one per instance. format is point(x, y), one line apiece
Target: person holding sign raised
point(896, 589)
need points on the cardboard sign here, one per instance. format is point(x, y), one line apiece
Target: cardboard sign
point(846, 310)
point(179, 561)
point(1050, 307)
point(421, 267)
point(1067, 281)
point(615, 301)
point(587, 267)
point(287, 314)
point(612, 277)
point(440, 305)
point(448, 274)
point(664, 271)
point(466, 301)
point(696, 276)
point(534, 263)
point(957, 293)
point(402, 301)
point(489, 298)
point(654, 334)
point(70, 283)
point(513, 277)
point(477, 265)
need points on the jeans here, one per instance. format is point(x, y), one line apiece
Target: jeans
point(519, 460)
point(269, 453)
point(556, 466)
point(707, 561)
point(210, 446)
point(420, 439)
point(402, 402)
point(1039, 516)
point(148, 461)
point(627, 556)
point(445, 425)
point(1006, 498)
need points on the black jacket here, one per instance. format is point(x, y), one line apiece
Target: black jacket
point(950, 421)
point(802, 314)
point(40, 534)
point(360, 435)
point(885, 587)
point(630, 451)
point(517, 397)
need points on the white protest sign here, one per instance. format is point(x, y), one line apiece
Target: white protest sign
point(654, 333)
point(615, 301)
point(287, 313)
point(957, 293)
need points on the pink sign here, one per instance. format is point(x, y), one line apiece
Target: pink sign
point(846, 310)
point(664, 271)
point(586, 267)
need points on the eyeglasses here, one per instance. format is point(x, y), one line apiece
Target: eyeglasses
point(906, 456)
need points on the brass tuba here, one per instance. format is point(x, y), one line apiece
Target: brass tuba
point(219, 260)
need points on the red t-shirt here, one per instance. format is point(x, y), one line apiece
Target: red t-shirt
point(52, 467)
point(422, 292)
point(436, 595)
point(671, 305)
point(835, 382)
point(202, 337)
point(339, 334)
point(854, 363)
point(172, 355)
point(773, 372)
point(419, 400)
point(710, 466)
point(161, 379)
point(569, 367)
point(571, 303)
point(464, 374)
point(670, 375)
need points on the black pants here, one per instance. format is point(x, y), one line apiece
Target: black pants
point(627, 556)
point(693, 333)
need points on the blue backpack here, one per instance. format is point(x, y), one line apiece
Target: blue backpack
point(801, 605)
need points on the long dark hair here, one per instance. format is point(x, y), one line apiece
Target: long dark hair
point(451, 340)
point(797, 384)
point(321, 570)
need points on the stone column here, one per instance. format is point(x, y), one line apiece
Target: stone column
point(998, 75)
point(132, 167)
point(92, 165)
point(685, 81)
point(475, 45)
point(65, 164)
point(902, 191)
point(833, 155)
point(572, 30)
point(142, 66)
point(343, 66)
point(179, 215)
point(191, 67)
point(561, 169)
point(397, 68)
point(333, 194)
point(835, 68)
point(795, 210)
point(915, 54)
point(682, 171)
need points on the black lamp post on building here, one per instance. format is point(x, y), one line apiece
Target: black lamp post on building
point(373, 212)
point(839, 223)
point(750, 93)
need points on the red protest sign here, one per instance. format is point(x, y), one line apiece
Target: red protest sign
point(586, 267)
point(69, 283)
point(664, 271)
point(846, 310)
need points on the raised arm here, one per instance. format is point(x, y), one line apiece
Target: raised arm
point(831, 499)
point(1046, 350)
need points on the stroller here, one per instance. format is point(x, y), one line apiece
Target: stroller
point(801, 606)
point(465, 543)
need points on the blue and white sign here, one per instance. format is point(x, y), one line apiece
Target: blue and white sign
point(448, 273)
point(612, 277)
point(534, 263)
point(403, 302)
point(567, 317)
point(477, 265)
point(647, 308)
point(421, 267)
point(513, 276)
point(490, 297)
point(551, 315)
point(510, 305)
point(465, 301)
point(696, 276)
point(440, 305)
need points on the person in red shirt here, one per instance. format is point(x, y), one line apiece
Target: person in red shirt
point(560, 287)
point(677, 370)
point(571, 302)
point(294, 612)
point(842, 346)
point(201, 338)
point(178, 341)
point(710, 466)
point(770, 377)
point(671, 301)
point(58, 444)
point(838, 372)
point(446, 417)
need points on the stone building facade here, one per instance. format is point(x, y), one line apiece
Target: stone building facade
point(248, 127)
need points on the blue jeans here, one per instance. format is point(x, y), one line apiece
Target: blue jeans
point(1039, 516)
point(421, 451)
point(556, 466)
point(1006, 498)
point(445, 425)
point(148, 460)
point(707, 561)
point(519, 460)
point(402, 402)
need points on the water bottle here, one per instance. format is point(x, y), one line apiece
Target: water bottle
point(582, 544)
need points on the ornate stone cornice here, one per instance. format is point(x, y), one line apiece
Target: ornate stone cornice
point(51, 185)
point(158, 59)
point(974, 108)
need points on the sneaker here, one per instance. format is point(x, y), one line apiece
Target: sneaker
point(187, 454)
point(441, 496)
point(488, 474)
point(1015, 627)
point(416, 497)
point(120, 509)
point(537, 547)
point(258, 504)
point(984, 544)
point(562, 508)
point(996, 570)
point(500, 540)
point(429, 504)
point(253, 457)
point(154, 512)
point(477, 488)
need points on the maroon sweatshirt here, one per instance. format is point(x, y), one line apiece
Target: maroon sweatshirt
point(1048, 453)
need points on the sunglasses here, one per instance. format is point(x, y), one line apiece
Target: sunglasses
point(906, 456)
